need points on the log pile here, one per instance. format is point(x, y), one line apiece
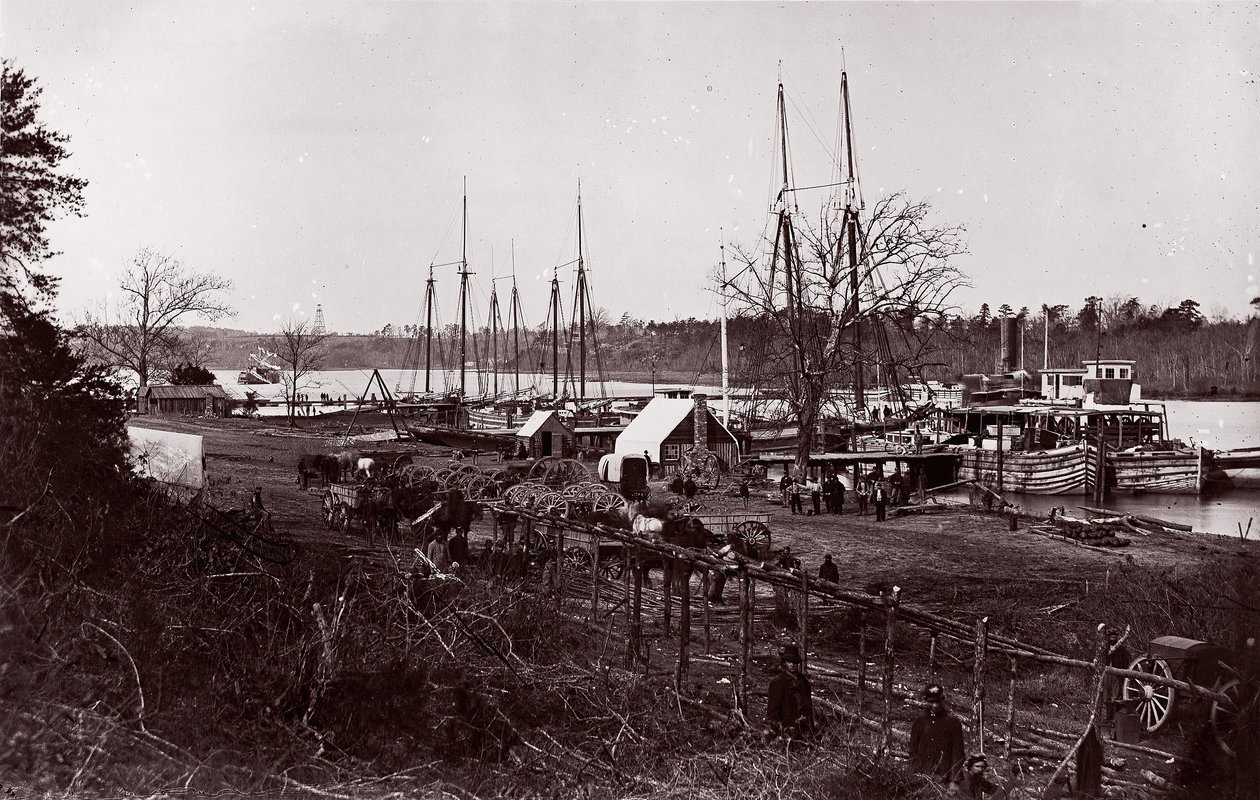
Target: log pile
point(1094, 532)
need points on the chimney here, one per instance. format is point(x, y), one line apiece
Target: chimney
point(700, 422)
point(1012, 343)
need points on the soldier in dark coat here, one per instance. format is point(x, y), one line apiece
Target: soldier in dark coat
point(879, 496)
point(975, 783)
point(829, 571)
point(791, 706)
point(835, 495)
point(936, 740)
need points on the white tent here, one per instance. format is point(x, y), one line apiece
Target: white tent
point(175, 459)
point(652, 426)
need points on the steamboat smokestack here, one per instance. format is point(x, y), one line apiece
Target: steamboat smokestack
point(1012, 344)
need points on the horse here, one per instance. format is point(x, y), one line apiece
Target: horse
point(316, 464)
point(346, 462)
point(365, 467)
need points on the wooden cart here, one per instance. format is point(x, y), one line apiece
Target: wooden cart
point(750, 529)
point(1200, 663)
point(342, 504)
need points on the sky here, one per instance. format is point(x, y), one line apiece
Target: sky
point(315, 153)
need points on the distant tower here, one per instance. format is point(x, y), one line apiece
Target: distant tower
point(318, 328)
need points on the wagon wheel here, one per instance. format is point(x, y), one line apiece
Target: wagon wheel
point(565, 471)
point(481, 488)
point(573, 491)
point(1154, 701)
point(755, 536)
point(552, 503)
point(328, 510)
point(611, 568)
point(540, 467)
point(703, 467)
point(401, 463)
point(577, 559)
point(343, 519)
point(609, 502)
point(417, 474)
point(1224, 717)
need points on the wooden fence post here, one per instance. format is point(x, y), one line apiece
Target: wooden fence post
point(932, 659)
point(667, 589)
point(559, 564)
point(890, 601)
point(636, 620)
point(745, 636)
point(594, 577)
point(977, 683)
point(704, 587)
point(684, 632)
point(1010, 711)
point(861, 676)
point(801, 633)
point(1099, 676)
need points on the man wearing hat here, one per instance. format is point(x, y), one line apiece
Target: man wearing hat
point(791, 706)
point(975, 783)
point(936, 740)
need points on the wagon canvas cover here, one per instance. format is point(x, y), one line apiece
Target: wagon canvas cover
point(175, 459)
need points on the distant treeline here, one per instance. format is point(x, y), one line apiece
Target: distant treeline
point(1179, 351)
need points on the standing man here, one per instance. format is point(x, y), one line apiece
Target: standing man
point(896, 482)
point(936, 741)
point(829, 571)
point(815, 496)
point(879, 496)
point(794, 495)
point(975, 784)
point(836, 493)
point(785, 486)
point(790, 710)
point(863, 490)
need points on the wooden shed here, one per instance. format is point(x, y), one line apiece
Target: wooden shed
point(182, 401)
point(668, 427)
point(545, 434)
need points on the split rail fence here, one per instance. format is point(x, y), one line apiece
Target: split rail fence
point(800, 588)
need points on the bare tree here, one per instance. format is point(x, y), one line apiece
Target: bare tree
point(142, 329)
point(300, 351)
point(812, 302)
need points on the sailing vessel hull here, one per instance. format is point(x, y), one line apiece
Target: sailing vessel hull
point(1058, 471)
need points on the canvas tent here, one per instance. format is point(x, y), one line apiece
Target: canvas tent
point(668, 427)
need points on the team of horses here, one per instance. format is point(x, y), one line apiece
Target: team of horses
point(385, 502)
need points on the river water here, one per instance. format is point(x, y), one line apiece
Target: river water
point(1216, 425)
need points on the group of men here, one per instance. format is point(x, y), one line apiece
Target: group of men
point(937, 748)
point(869, 490)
